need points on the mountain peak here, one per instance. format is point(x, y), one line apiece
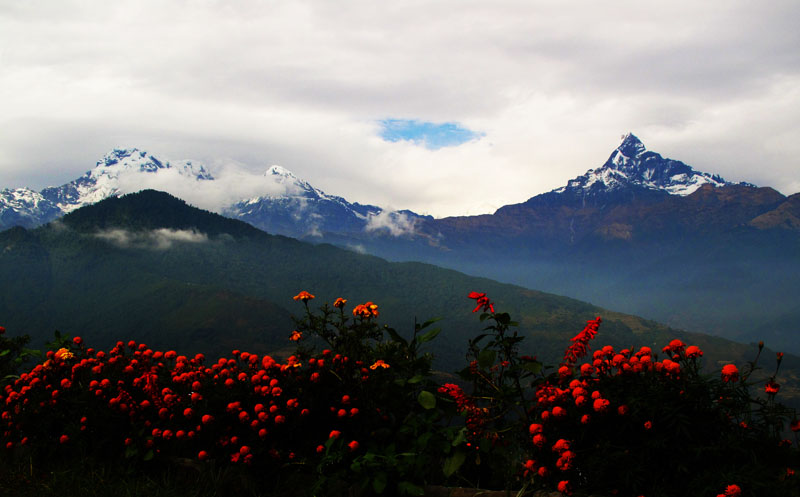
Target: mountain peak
point(631, 165)
point(281, 171)
point(631, 146)
point(119, 154)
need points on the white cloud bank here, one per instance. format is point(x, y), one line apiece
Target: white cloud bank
point(550, 85)
point(158, 239)
point(396, 223)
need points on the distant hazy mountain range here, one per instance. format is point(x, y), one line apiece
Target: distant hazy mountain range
point(148, 267)
point(641, 233)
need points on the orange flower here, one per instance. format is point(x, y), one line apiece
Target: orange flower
point(303, 296)
point(379, 364)
point(340, 302)
point(63, 354)
point(730, 373)
point(296, 336)
point(367, 310)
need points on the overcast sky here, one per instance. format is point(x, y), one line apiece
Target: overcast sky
point(532, 93)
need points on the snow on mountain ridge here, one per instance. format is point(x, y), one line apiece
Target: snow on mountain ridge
point(631, 164)
point(118, 172)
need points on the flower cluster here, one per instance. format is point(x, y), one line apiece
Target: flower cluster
point(244, 409)
point(368, 310)
point(580, 343)
point(475, 417)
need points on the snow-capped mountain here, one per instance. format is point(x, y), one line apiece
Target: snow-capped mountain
point(123, 170)
point(25, 207)
point(631, 165)
point(284, 204)
point(302, 210)
point(108, 178)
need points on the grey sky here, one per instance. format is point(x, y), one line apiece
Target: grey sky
point(551, 85)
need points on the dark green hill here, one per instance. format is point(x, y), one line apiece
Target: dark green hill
point(149, 267)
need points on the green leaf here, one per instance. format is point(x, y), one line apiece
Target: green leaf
point(408, 488)
point(416, 379)
point(461, 437)
point(427, 337)
point(5, 352)
point(396, 336)
point(148, 455)
point(534, 367)
point(423, 440)
point(427, 323)
point(503, 318)
point(131, 451)
point(486, 358)
point(452, 463)
point(426, 399)
point(379, 482)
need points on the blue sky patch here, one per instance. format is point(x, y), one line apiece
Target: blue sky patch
point(432, 136)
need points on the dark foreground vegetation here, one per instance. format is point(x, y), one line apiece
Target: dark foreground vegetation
point(357, 410)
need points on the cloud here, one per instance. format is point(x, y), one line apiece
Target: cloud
point(396, 223)
point(232, 183)
point(158, 239)
point(305, 84)
point(357, 248)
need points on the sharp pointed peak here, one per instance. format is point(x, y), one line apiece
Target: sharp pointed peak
point(631, 146)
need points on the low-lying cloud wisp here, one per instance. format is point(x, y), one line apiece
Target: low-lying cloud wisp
point(397, 223)
point(158, 239)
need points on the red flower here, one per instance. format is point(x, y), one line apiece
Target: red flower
point(482, 301)
point(353, 446)
point(561, 446)
point(730, 373)
point(771, 387)
point(335, 434)
point(600, 404)
point(693, 351)
point(733, 491)
point(648, 425)
point(580, 343)
point(340, 302)
point(564, 487)
point(63, 439)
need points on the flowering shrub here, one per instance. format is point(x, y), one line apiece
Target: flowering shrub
point(355, 410)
